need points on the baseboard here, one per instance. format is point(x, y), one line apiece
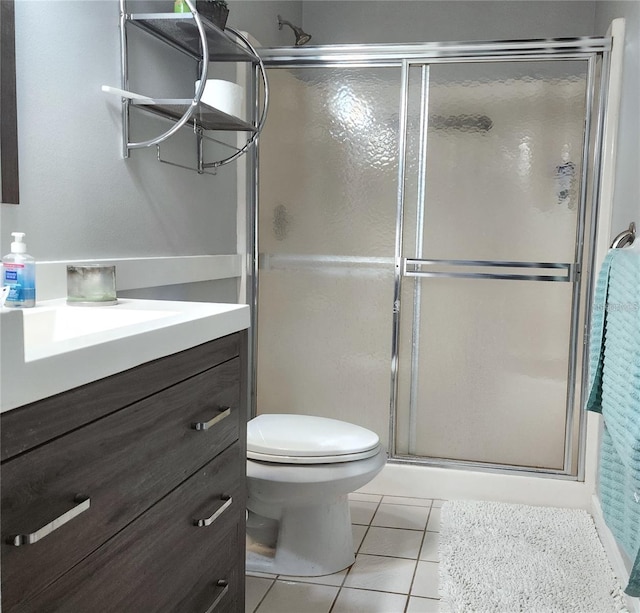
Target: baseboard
point(451, 484)
point(620, 564)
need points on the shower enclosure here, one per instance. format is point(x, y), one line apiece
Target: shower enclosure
point(425, 231)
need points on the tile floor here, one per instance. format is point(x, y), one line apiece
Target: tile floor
point(396, 567)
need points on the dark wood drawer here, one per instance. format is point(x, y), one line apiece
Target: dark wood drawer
point(124, 462)
point(34, 424)
point(162, 562)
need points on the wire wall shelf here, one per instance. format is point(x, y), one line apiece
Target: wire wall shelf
point(179, 30)
point(204, 42)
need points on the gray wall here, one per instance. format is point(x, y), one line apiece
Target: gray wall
point(79, 198)
point(361, 21)
point(260, 19)
point(626, 206)
point(385, 21)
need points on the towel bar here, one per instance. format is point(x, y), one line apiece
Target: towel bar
point(627, 237)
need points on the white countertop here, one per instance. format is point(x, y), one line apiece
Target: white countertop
point(53, 347)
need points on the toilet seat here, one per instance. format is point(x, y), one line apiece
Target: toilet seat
point(305, 439)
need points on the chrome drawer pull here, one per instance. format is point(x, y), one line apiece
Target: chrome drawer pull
point(223, 584)
point(83, 503)
point(205, 425)
point(209, 520)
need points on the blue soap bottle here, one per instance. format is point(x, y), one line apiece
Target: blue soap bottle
point(19, 274)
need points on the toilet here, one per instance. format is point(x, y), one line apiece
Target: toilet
point(300, 470)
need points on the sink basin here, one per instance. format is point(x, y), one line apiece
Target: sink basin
point(51, 325)
point(55, 347)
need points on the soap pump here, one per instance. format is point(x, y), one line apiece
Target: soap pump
point(19, 274)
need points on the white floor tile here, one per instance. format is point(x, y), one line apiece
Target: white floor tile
point(362, 512)
point(430, 547)
point(256, 588)
point(414, 502)
point(381, 573)
point(358, 533)
point(423, 605)
point(401, 516)
point(334, 579)
point(434, 520)
point(289, 597)
point(365, 497)
point(425, 583)
point(366, 601)
point(393, 542)
point(437, 502)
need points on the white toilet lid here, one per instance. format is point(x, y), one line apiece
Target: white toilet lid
point(294, 439)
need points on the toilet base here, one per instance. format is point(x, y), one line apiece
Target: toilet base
point(311, 541)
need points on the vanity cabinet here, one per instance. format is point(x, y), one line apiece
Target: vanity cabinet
point(128, 494)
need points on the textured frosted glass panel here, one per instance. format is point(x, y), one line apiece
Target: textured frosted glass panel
point(324, 344)
point(492, 369)
point(503, 160)
point(328, 162)
point(501, 181)
point(328, 176)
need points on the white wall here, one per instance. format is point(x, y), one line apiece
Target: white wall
point(626, 206)
point(376, 21)
point(626, 196)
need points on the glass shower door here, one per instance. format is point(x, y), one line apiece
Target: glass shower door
point(328, 182)
point(492, 241)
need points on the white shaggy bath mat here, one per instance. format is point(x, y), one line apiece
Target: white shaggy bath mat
point(503, 558)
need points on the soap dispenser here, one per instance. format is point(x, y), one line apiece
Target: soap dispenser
point(19, 274)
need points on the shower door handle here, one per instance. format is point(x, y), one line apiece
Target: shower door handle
point(463, 269)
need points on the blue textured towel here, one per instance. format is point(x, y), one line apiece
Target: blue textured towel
point(620, 494)
point(614, 391)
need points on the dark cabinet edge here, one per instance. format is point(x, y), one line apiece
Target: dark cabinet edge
point(237, 520)
point(9, 182)
point(32, 425)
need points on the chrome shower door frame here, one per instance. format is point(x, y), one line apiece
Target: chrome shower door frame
point(589, 49)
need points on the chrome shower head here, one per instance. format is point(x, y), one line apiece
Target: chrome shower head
point(301, 36)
